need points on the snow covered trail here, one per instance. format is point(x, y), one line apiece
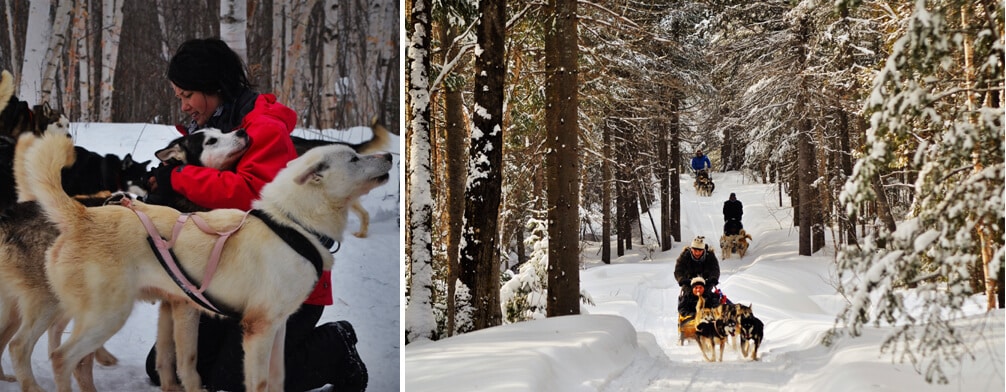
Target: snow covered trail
point(681, 367)
point(628, 340)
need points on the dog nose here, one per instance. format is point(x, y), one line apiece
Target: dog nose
point(386, 156)
point(241, 133)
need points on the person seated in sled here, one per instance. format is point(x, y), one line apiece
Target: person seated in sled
point(697, 260)
point(688, 302)
point(733, 210)
point(701, 164)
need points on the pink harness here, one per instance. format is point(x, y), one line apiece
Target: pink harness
point(163, 250)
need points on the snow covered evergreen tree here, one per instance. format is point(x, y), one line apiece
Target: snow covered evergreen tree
point(938, 116)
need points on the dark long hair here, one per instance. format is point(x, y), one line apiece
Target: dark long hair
point(210, 67)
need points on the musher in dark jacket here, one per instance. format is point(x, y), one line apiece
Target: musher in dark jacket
point(733, 210)
point(697, 260)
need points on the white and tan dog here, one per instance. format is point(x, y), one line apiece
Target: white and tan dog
point(101, 261)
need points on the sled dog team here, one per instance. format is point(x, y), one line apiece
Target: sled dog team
point(61, 260)
point(707, 316)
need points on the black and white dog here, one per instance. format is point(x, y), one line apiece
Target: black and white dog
point(211, 147)
point(751, 330)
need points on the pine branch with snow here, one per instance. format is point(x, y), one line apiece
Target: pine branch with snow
point(921, 123)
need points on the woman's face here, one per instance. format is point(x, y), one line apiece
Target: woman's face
point(698, 290)
point(200, 106)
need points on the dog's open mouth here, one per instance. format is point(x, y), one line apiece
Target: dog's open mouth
point(381, 178)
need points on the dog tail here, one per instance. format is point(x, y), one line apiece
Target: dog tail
point(6, 88)
point(377, 143)
point(24, 192)
point(44, 162)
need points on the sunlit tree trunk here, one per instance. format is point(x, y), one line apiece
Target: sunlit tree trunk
point(674, 164)
point(455, 136)
point(479, 255)
point(419, 323)
point(562, 159)
point(606, 183)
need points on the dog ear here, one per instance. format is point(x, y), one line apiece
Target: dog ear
point(312, 174)
point(172, 151)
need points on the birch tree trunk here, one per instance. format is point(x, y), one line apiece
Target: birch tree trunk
point(54, 51)
point(39, 30)
point(419, 323)
point(112, 22)
point(81, 80)
point(233, 26)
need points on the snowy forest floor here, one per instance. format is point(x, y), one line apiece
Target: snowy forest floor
point(628, 341)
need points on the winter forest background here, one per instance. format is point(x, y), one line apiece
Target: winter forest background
point(535, 129)
point(337, 63)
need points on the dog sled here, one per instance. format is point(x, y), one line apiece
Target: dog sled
point(703, 184)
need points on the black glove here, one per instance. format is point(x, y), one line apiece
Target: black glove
point(161, 190)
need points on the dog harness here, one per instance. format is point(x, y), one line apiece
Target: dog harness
point(166, 256)
point(295, 240)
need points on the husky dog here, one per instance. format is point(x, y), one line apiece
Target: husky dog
point(736, 244)
point(741, 243)
point(710, 330)
point(29, 305)
point(704, 185)
point(751, 332)
point(101, 262)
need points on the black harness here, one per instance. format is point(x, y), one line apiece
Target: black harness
point(295, 240)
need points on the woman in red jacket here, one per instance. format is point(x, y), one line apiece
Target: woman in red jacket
point(211, 81)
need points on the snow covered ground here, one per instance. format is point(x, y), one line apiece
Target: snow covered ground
point(365, 277)
point(629, 340)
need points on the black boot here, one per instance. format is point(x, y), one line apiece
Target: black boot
point(354, 376)
point(326, 356)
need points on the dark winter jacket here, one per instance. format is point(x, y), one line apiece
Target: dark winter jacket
point(733, 210)
point(701, 162)
point(707, 266)
point(688, 302)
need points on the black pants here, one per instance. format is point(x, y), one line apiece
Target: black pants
point(314, 356)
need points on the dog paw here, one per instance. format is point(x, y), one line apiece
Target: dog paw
point(4, 377)
point(360, 234)
point(105, 358)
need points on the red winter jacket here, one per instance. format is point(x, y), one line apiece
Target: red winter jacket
point(269, 125)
